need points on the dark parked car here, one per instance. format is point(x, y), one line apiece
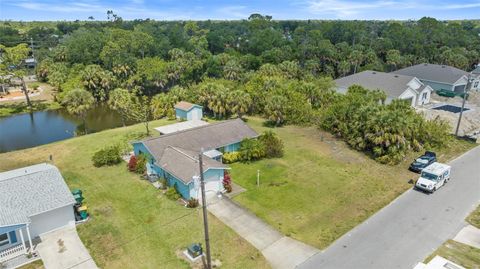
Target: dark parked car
point(423, 161)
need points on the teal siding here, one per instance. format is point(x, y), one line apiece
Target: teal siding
point(13, 237)
point(232, 147)
point(213, 174)
point(438, 86)
point(181, 114)
point(187, 115)
point(8, 229)
point(139, 148)
point(182, 188)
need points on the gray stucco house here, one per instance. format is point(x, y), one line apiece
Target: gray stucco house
point(34, 200)
point(439, 77)
point(476, 76)
point(395, 86)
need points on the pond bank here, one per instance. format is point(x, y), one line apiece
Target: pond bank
point(25, 130)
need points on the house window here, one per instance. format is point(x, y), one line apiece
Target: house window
point(475, 85)
point(4, 239)
point(424, 96)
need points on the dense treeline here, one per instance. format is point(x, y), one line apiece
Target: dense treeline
point(280, 69)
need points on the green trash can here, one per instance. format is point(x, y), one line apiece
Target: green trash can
point(79, 198)
point(77, 191)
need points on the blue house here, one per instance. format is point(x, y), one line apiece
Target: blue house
point(174, 156)
point(188, 111)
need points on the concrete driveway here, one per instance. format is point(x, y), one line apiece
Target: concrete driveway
point(280, 251)
point(411, 227)
point(72, 254)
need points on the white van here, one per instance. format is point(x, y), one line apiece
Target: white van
point(433, 177)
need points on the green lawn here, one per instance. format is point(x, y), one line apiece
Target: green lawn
point(38, 264)
point(474, 218)
point(321, 188)
point(464, 255)
point(133, 225)
point(11, 108)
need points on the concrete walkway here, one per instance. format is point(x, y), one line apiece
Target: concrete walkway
point(73, 254)
point(470, 235)
point(280, 251)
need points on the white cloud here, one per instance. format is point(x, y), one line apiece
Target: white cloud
point(234, 12)
point(346, 8)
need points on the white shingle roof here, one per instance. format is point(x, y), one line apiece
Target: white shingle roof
point(31, 190)
point(433, 72)
point(392, 84)
point(180, 126)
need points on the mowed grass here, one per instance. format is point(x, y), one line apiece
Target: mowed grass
point(474, 218)
point(320, 188)
point(133, 225)
point(461, 254)
point(38, 264)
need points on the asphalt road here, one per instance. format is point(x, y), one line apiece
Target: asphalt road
point(411, 227)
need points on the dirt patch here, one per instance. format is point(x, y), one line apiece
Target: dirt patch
point(470, 123)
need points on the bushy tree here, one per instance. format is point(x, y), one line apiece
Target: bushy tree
point(273, 145)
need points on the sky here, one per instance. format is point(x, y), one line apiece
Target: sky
point(45, 10)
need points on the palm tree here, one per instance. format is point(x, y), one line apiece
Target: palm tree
point(356, 58)
point(78, 102)
point(239, 102)
point(275, 109)
point(343, 68)
point(232, 70)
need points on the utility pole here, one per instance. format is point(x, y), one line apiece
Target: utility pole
point(31, 45)
point(204, 208)
point(258, 178)
point(465, 92)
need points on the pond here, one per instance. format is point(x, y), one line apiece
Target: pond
point(29, 130)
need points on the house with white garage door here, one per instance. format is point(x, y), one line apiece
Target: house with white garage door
point(395, 86)
point(34, 200)
point(443, 79)
point(174, 156)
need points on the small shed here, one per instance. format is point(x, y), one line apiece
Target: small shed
point(188, 111)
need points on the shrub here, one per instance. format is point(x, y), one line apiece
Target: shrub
point(132, 164)
point(227, 182)
point(140, 168)
point(172, 194)
point(387, 132)
point(34, 86)
point(251, 149)
point(163, 183)
point(109, 155)
point(231, 157)
point(192, 203)
point(273, 145)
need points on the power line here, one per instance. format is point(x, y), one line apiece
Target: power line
point(139, 236)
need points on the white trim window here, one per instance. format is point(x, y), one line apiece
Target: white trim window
point(4, 239)
point(424, 96)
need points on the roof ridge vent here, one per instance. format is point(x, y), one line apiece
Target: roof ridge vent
point(396, 76)
point(374, 72)
point(425, 64)
point(443, 66)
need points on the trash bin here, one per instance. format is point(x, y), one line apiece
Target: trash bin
point(195, 250)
